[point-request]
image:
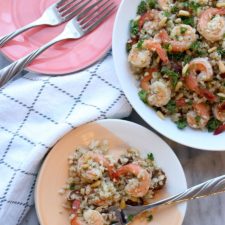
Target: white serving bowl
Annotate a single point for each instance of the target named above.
(189, 137)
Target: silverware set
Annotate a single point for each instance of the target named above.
(83, 16)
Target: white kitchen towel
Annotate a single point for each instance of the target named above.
(37, 110)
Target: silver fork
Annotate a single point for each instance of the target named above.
(54, 15)
(208, 188)
(85, 22)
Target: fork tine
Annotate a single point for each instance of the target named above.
(90, 17)
(58, 4)
(74, 13)
(63, 7)
(87, 10)
(92, 25)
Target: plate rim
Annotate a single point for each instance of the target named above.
(102, 122)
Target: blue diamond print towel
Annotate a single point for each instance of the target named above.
(35, 111)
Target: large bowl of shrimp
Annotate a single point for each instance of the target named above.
(170, 61)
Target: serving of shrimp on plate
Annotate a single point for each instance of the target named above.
(176, 50)
(97, 181)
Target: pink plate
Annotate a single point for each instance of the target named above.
(62, 58)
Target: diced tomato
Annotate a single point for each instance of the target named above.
(180, 102)
(207, 94)
(145, 80)
(75, 206)
(222, 106)
(220, 129)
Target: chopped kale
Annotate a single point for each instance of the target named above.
(181, 123)
(150, 218)
(188, 20)
(183, 30)
(151, 3)
(221, 51)
(134, 28)
(72, 187)
(140, 43)
(128, 46)
(171, 106)
(142, 8)
(174, 9)
(150, 156)
(213, 124)
(166, 14)
(143, 95)
(172, 74)
(196, 49)
(130, 218)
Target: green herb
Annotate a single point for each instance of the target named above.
(221, 51)
(197, 119)
(172, 74)
(171, 106)
(72, 187)
(134, 28)
(194, 6)
(167, 46)
(140, 43)
(151, 3)
(143, 95)
(150, 156)
(128, 46)
(196, 48)
(181, 123)
(183, 30)
(150, 218)
(187, 59)
(174, 9)
(142, 8)
(166, 14)
(213, 124)
(188, 20)
(130, 218)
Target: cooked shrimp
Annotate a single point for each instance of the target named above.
(165, 4)
(200, 70)
(88, 170)
(139, 57)
(159, 95)
(90, 217)
(219, 111)
(211, 24)
(199, 116)
(136, 187)
(153, 45)
(78, 221)
(150, 21)
(93, 217)
(182, 37)
(203, 66)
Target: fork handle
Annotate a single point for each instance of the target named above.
(8, 37)
(16, 67)
(210, 187)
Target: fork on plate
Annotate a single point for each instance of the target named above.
(205, 189)
(54, 15)
(86, 20)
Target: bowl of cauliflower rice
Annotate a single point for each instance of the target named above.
(170, 60)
